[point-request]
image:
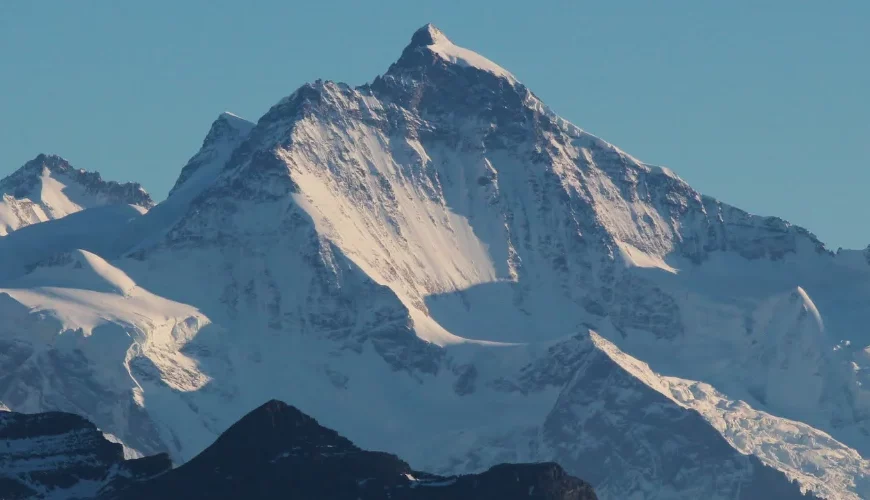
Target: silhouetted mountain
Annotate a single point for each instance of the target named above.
(276, 451)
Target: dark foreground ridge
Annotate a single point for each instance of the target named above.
(62, 455)
(276, 451)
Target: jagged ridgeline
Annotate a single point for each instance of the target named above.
(48, 187)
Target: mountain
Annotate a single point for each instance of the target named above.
(277, 450)
(437, 265)
(48, 187)
(61, 455)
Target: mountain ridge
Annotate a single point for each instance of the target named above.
(48, 187)
(276, 448)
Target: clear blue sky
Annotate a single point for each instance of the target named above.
(765, 107)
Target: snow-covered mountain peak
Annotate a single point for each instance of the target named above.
(231, 117)
(35, 167)
(428, 35)
(429, 45)
(440, 178)
(48, 187)
(225, 134)
(23, 181)
(226, 127)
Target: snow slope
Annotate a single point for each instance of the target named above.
(96, 230)
(418, 263)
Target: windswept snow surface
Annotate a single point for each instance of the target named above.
(437, 265)
(96, 230)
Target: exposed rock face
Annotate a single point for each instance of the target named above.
(276, 451)
(62, 455)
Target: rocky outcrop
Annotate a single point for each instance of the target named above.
(62, 455)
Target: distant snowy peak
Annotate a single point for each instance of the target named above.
(225, 136)
(22, 182)
(234, 121)
(431, 40)
(48, 187)
(433, 71)
(226, 133)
